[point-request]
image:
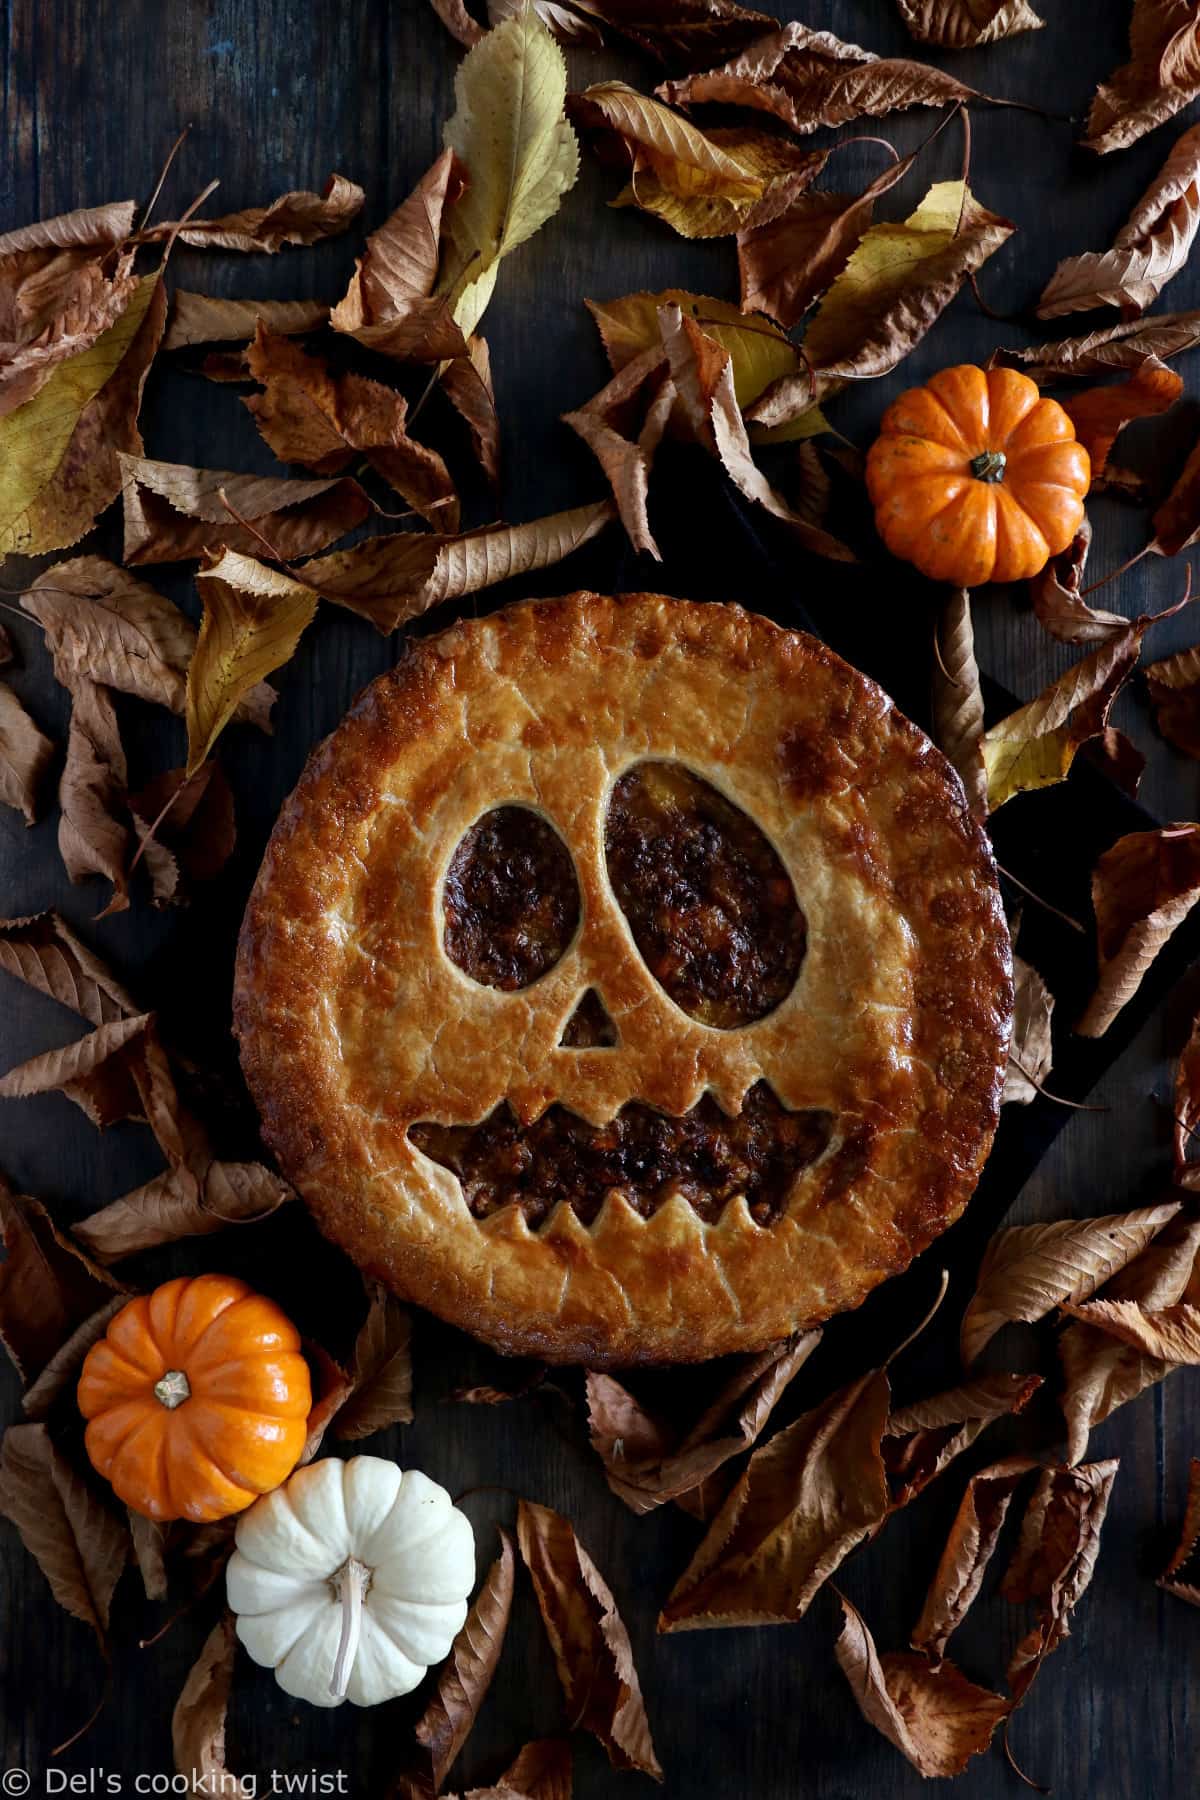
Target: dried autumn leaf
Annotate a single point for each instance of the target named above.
(1177, 521)
(1161, 77)
(646, 1471)
(803, 1502)
(1100, 1372)
(198, 1721)
(381, 1373)
(1099, 414)
(25, 757)
(588, 1637)
(61, 1373)
(173, 512)
(1187, 1109)
(149, 1539)
(48, 1285)
(44, 953)
(958, 698)
(244, 636)
(966, 24)
(542, 1770)
(897, 283)
(1028, 1270)
(811, 78)
(1174, 1576)
(1122, 346)
(520, 153)
(54, 304)
(209, 319)
(467, 384)
(1031, 1052)
(964, 1561)
(1173, 686)
(458, 21)
(300, 217)
(1059, 605)
(93, 838)
(1055, 1558)
(87, 228)
(196, 829)
(931, 1713)
(1171, 1335)
(390, 306)
(1035, 746)
(324, 421)
(561, 20)
(627, 461)
(79, 1546)
(180, 1203)
(921, 1441)
(1143, 888)
(445, 1725)
(93, 1071)
(58, 452)
(692, 34)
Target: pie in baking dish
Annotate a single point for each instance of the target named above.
(626, 980)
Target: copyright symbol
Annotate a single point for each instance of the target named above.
(15, 1781)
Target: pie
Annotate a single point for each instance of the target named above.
(627, 981)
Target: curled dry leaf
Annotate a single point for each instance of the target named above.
(208, 319)
(198, 1721)
(969, 1547)
(1161, 77)
(1173, 686)
(79, 1546)
(627, 460)
(931, 1713)
(804, 1501)
(244, 636)
(25, 757)
(331, 1390)
(1176, 1578)
(149, 1539)
(381, 1373)
(196, 829)
(1059, 605)
(561, 20)
(173, 512)
(588, 1637)
(1031, 1052)
(1028, 1270)
(921, 1441)
(1123, 346)
(62, 1371)
(58, 452)
(1177, 521)
(811, 78)
(48, 1285)
(182, 1203)
(542, 1770)
(1143, 888)
(691, 34)
(1187, 1111)
(1151, 247)
(446, 1723)
(646, 1467)
(54, 304)
(300, 217)
(44, 953)
(467, 384)
(520, 153)
(93, 838)
(958, 698)
(94, 1071)
(87, 228)
(390, 305)
(458, 21)
(1055, 1559)
(1171, 1335)
(1099, 414)
(966, 24)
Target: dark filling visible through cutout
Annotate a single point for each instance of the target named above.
(647, 1155)
(511, 900)
(711, 907)
(589, 1026)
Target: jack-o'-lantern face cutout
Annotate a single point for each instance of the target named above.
(627, 980)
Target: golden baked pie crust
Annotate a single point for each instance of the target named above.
(354, 1024)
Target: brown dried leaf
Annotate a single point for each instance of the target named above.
(932, 1714)
(645, 1468)
(173, 512)
(1031, 1053)
(48, 1284)
(458, 21)
(1055, 1558)
(1161, 77)
(62, 1371)
(54, 304)
(446, 1723)
(300, 217)
(1103, 352)
(1177, 1568)
(87, 228)
(1171, 1335)
(921, 1441)
(691, 34)
(542, 1770)
(811, 78)
(627, 461)
(198, 1721)
(467, 384)
(1142, 890)
(196, 833)
(788, 260)
(1099, 414)
(76, 1542)
(803, 1502)
(1059, 605)
(590, 1643)
(965, 24)
(93, 1071)
(1151, 247)
(1173, 686)
(1177, 521)
(244, 636)
(381, 1373)
(44, 953)
(207, 319)
(561, 21)
(331, 1390)
(958, 698)
(182, 1203)
(969, 1547)
(1028, 1270)
(25, 757)
(149, 1546)
(1187, 1110)
(390, 306)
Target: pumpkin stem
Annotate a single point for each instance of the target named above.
(351, 1583)
(989, 465)
(173, 1389)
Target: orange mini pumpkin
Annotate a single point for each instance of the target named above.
(197, 1399)
(975, 477)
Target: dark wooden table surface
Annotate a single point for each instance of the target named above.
(278, 94)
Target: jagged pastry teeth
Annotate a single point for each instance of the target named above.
(626, 980)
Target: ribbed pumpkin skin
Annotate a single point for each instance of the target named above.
(934, 512)
(241, 1431)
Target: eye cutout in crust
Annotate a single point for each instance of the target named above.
(510, 899)
(710, 905)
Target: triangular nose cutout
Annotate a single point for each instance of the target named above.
(589, 1026)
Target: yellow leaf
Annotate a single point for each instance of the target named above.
(253, 619)
(58, 452)
(520, 152)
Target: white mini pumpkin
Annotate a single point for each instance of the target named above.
(351, 1579)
